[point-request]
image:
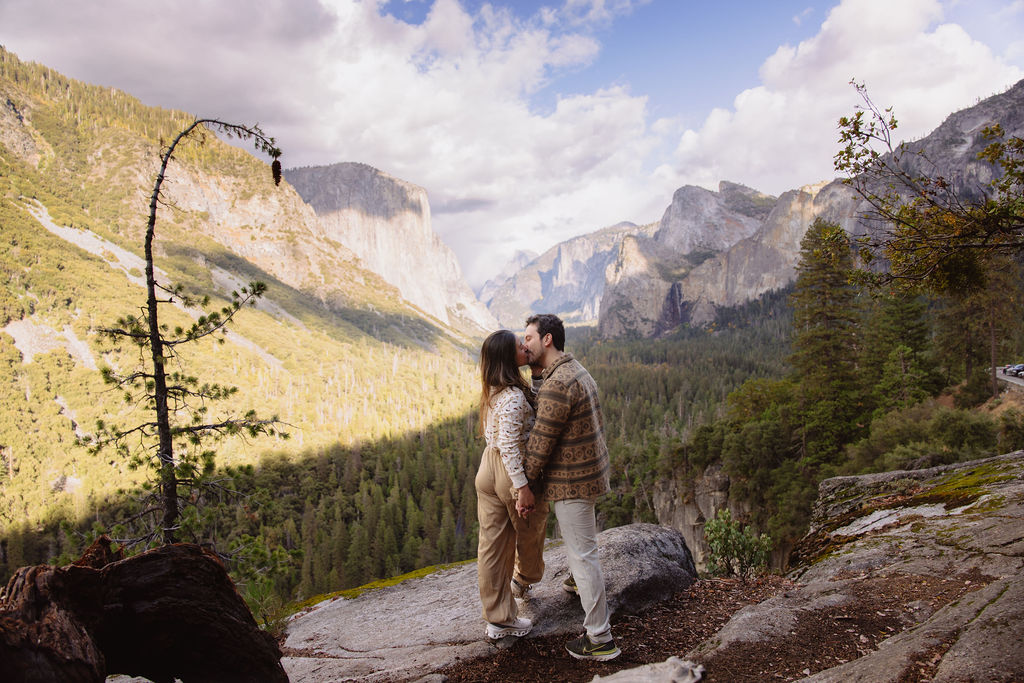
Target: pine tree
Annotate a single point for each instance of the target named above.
(356, 564)
(825, 341)
(177, 401)
(903, 382)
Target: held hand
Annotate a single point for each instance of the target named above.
(524, 501)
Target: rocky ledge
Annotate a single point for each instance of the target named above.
(421, 625)
(903, 576)
(928, 561)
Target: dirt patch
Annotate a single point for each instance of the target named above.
(881, 607)
(670, 628)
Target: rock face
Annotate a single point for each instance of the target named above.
(172, 612)
(686, 503)
(642, 295)
(698, 219)
(386, 223)
(517, 263)
(933, 556)
(368, 637)
(568, 279)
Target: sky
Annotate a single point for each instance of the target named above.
(529, 122)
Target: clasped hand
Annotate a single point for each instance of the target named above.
(524, 501)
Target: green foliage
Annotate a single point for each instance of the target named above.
(1011, 432)
(923, 435)
(932, 232)
(735, 551)
(903, 382)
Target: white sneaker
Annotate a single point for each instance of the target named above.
(520, 590)
(520, 628)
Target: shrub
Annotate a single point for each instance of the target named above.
(735, 552)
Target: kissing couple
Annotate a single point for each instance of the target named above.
(545, 447)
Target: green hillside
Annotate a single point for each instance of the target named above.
(341, 363)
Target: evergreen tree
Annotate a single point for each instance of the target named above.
(976, 328)
(894, 318)
(903, 382)
(339, 546)
(169, 395)
(825, 342)
(446, 540)
(357, 562)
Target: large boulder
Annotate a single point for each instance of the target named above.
(168, 613)
(422, 625)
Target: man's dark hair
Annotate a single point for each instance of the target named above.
(549, 323)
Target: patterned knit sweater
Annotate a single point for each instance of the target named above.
(566, 453)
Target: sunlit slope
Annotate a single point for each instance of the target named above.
(333, 350)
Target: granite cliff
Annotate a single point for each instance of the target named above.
(642, 294)
(386, 223)
(567, 279)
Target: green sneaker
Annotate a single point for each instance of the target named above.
(569, 585)
(584, 648)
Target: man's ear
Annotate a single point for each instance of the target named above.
(546, 340)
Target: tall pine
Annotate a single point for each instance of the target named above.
(825, 344)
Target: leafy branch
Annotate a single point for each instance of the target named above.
(934, 230)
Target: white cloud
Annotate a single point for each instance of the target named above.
(449, 109)
(798, 19)
(598, 12)
(782, 134)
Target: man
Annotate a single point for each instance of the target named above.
(567, 463)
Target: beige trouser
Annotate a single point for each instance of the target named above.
(508, 545)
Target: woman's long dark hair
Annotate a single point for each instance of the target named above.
(498, 370)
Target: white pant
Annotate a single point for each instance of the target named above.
(578, 526)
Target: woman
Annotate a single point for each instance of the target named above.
(506, 417)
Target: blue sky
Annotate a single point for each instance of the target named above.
(687, 56)
(530, 122)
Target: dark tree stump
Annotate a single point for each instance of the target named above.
(172, 612)
(40, 640)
